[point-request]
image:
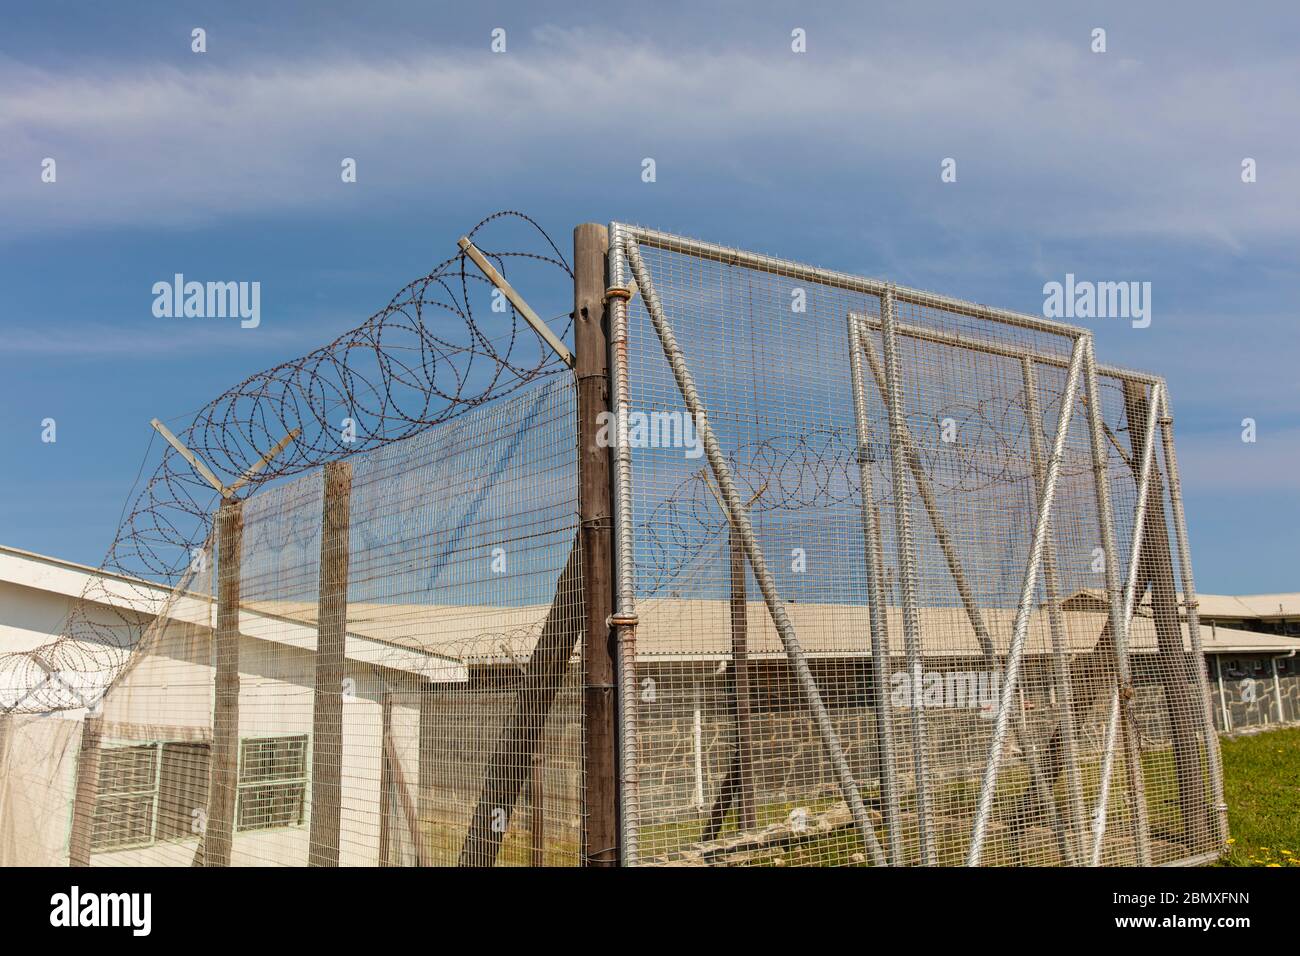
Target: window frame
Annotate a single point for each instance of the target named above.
(154, 793)
(302, 781)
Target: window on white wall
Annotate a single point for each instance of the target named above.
(149, 792)
(272, 782)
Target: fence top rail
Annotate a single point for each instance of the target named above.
(957, 340)
(840, 280)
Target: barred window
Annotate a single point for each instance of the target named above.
(182, 789)
(148, 792)
(272, 782)
(127, 798)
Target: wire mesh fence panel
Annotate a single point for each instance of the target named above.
(866, 536)
(899, 580)
(378, 664)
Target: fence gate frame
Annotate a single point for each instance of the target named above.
(1079, 838)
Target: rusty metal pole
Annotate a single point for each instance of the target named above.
(600, 846)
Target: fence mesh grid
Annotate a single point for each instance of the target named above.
(456, 557)
(729, 777)
(379, 662)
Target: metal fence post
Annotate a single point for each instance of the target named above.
(898, 454)
(1213, 759)
(625, 619)
(873, 549)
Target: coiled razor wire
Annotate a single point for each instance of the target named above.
(421, 360)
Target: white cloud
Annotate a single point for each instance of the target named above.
(54, 339)
(1041, 129)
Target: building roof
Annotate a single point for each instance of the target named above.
(153, 601)
(1256, 607)
(439, 640)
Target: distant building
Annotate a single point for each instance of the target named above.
(1257, 681)
(1250, 645)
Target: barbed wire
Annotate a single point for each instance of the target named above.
(420, 361)
(423, 359)
(818, 469)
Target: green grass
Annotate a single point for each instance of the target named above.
(1261, 784)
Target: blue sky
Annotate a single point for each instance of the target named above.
(1115, 166)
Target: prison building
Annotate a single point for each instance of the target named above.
(146, 802)
(430, 688)
(1255, 680)
(1251, 643)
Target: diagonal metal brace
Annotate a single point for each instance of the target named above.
(522, 307)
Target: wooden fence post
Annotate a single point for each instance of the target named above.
(331, 639)
(595, 511)
(83, 807)
(224, 772)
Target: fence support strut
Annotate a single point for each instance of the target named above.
(1122, 718)
(739, 518)
(1028, 589)
(873, 553)
(1052, 588)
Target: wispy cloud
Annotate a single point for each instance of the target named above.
(77, 340)
(141, 144)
